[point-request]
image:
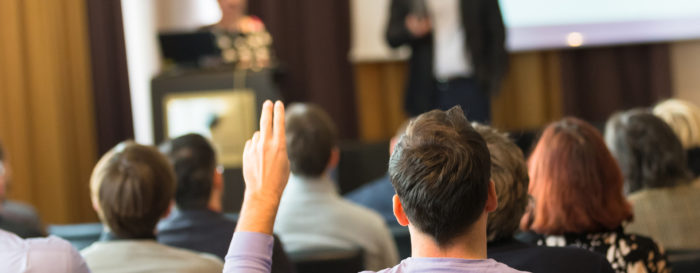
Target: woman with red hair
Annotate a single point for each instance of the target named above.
(576, 185)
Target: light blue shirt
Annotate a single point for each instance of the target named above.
(50, 254)
(313, 215)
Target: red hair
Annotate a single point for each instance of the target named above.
(575, 182)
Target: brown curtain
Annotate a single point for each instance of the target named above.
(312, 40)
(110, 78)
(597, 82)
(531, 93)
(46, 106)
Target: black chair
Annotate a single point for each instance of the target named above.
(79, 235)
(684, 261)
(361, 162)
(402, 238)
(328, 260)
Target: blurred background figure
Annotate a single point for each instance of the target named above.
(458, 53)
(242, 39)
(197, 223)
(16, 217)
(312, 214)
(132, 188)
(684, 118)
(657, 180)
(578, 201)
(509, 174)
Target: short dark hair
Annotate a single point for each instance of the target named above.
(194, 161)
(311, 136)
(133, 185)
(441, 170)
(648, 151)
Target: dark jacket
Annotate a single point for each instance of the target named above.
(485, 32)
(210, 232)
(538, 259)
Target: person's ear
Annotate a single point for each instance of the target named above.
(95, 205)
(399, 213)
(167, 211)
(334, 159)
(492, 201)
(218, 183)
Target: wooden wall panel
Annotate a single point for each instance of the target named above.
(531, 95)
(47, 122)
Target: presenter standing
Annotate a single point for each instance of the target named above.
(458, 53)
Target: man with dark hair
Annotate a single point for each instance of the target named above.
(15, 217)
(509, 174)
(440, 169)
(197, 223)
(132, 187)
(312, 214)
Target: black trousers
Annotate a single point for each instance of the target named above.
(465, 92)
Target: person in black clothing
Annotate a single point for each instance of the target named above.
(197, 223)
(458, 53)
(509, 173)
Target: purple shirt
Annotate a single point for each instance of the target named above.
(50, 254)
(251, 252)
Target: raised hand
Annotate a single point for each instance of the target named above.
(265, 171)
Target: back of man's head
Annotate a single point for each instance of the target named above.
(441, 170)
(509, 174)
(311, 138)
(132, 187)
(194, 160)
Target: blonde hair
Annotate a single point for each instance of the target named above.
(684, 118)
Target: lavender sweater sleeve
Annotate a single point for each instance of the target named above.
(250, 252)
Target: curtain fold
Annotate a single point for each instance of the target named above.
(46, 108)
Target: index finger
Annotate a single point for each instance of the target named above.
(266, 119)
(278, 127)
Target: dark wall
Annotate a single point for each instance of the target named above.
(110, 78)
(312, 40)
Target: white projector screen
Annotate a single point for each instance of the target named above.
(548, 24)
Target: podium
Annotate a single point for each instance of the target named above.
(222, 104)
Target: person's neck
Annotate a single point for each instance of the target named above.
(229, 22)
(470, 245)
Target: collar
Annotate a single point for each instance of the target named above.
(108, 236)
(319, 185)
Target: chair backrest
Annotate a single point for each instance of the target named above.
(403, 240)
(79, 235)
(684, 261)
(361, 162)
(325, 260)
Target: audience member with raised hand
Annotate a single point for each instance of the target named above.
(684, 119)
(197, 222)
(509, 174)
(441, 170)
(658, 183)
(312, 215)
(132, 187)
(265, 171)
(577, 188)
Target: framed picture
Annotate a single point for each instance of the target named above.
(226, 117)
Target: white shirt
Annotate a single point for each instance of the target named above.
(312, 215)
(50, 254)
(450, 56)
(124, 256)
